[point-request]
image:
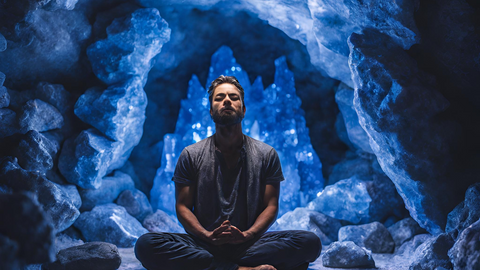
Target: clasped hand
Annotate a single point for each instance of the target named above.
(228, 234)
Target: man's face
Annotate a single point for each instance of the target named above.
(227, 106)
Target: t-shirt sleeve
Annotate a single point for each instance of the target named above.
(274, 172)
(184, 170)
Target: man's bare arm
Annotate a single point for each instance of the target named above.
(184, 195)
(265, 219)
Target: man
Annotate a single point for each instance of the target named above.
(227, 188)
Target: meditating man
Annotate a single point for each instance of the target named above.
(227, 188)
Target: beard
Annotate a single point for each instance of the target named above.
(227, 119)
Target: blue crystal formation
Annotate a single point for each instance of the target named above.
(122, 61)
(325, 227)
(347, 199)
(108, 192)
(131, 44)
(373, 236)
(55, 202)
(347, 255)
(397, 105)
(110, 223)
(281, 126)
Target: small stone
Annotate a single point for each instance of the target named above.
(110, 223)
(161, 222)
(91, 256)
(111, 187)
(466, 213)
(136, 203)
(465, 253)
(347, 255)
(3, 46)
(2, 78)
(405, 230)
(73, 194)
(433, 253)
(54, 94)
(325, 227)
(35, 152)
(4, 96)
(40, 116)
(373, 236)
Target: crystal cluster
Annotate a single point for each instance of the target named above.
(273, 116)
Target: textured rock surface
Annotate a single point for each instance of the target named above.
(108, 192)
(466, 213)
(404, 230)
(110, 223)
(63, 241)
(465, 253)
(131, 44)
(55, 202)
(161, 222)
(35, 152)
(136, 203)
(9, 122)
(31, 238)
(397, 104)
(347, 255)
(93, 256)
(373, 236)
(40, 116)
(4, 96)
(433, 253)
(325, 227)
(347, 200)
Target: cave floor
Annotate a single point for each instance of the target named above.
(382, 261)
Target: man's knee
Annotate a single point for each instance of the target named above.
(143, 246)
(311, 243)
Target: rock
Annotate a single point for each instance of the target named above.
(63, 241)
(118, 112)
(108, 192)
(86, 159)
(40, 116)
(355, 132)
(352, 166)
(433, 253)
(4, 96)
(136, 203)
(8, 253)
(32, 234)
(110, 223)
(373, 236)
(405, 230)
(131, 44)
(347, 255)
(161, 222)
(9, 124)
(396, 104)
(92, 256)
(55, 202)
(54, 94)
(466, 213)
(465, 253)
(45, 46)
(35, 152)
(347, 200)
(72, 193)
(325, 227)
(3, 47)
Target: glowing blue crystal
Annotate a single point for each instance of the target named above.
(274, 116)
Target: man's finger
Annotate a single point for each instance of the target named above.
(220, 229)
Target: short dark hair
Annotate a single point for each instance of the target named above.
(225, 79)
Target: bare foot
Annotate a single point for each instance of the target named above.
(260, 267)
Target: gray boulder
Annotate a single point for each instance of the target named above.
(405, 230)
(110, 223)
(347, 255)
(161, 222)
(466, 213)
(40, 116)
(433, 253)
(465, 253)
(91, 256)
(136, 203)
(373, 236)
(35, 152)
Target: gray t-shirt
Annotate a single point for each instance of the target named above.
(235, 194)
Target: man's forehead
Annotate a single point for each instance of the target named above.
(226, 88)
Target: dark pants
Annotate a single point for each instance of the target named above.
(285, 250)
